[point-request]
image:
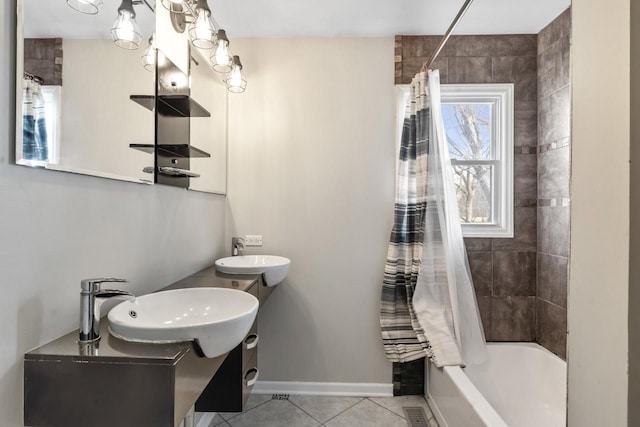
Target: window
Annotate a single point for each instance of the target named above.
(478, 120)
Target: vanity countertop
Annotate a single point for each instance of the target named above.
(118, 350)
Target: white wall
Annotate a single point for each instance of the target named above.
(598, 289)
(99, 121)
(311, 168)
(209, 134)
(57, 228)
(634, 253)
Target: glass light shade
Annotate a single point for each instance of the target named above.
(222, 59)
(236, 81)
(125, 32)
(202, 33)
(175, 6)
(90, 7)
(149, 57)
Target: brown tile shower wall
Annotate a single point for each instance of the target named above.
(554, 162)
(43, 58)
(504, 270)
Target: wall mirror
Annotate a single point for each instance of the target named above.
(73, 95)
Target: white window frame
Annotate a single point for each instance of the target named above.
(500, 96)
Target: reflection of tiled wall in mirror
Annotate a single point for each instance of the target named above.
(43, 58)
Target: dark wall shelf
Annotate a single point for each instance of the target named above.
(172, 108)
(172, 150)
(147, 101)
(172, 105)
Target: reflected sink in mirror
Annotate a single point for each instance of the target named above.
(273, 268)
(218, 319)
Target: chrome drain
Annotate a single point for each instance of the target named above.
(415, 416)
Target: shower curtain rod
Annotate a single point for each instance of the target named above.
(446, 36)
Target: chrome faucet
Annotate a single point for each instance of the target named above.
(237, 243)
(91, 299)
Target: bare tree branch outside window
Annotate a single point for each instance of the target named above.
(468, 128)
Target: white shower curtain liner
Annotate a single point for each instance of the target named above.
(444, 299)
(428, 304)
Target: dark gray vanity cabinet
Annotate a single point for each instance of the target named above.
(112, 382)
(126, 384)
(229, 389)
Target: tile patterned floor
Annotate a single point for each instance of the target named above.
(323, 411)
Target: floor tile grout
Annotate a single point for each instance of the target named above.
(384, 407)
(312, 417)
(345, 410)
(308, 414)
(244, 412)
(293, 406)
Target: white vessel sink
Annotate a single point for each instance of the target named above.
(217, 318)
(274, 268)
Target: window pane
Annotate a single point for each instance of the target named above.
(474, 191)
(468, 128)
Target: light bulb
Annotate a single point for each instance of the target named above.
(90, 7)
(202, 33)
(125, 32)
(221, 58)
(236, 82)
(149, 57)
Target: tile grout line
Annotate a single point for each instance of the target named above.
(343, 411)
(387, 409)
(244, 412)
(308, 414)
(551, 303)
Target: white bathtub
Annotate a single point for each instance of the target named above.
(521, 385)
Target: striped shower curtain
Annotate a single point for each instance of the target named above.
(428, 305)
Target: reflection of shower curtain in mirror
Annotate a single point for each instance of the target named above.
(34, 136)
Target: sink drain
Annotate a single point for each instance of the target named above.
(133, 314)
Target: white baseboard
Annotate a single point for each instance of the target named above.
(324, 389)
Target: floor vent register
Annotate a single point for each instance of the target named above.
(415, 416)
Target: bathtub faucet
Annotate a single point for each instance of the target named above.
(91, 299)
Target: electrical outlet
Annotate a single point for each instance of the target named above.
(253, 240)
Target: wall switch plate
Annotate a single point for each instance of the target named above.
(253, 240)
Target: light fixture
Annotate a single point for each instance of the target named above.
(221, 59)
(149, 57)
(202, 32)
(90, 7)
(175, 6)
(236, 82)
(125, 32)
